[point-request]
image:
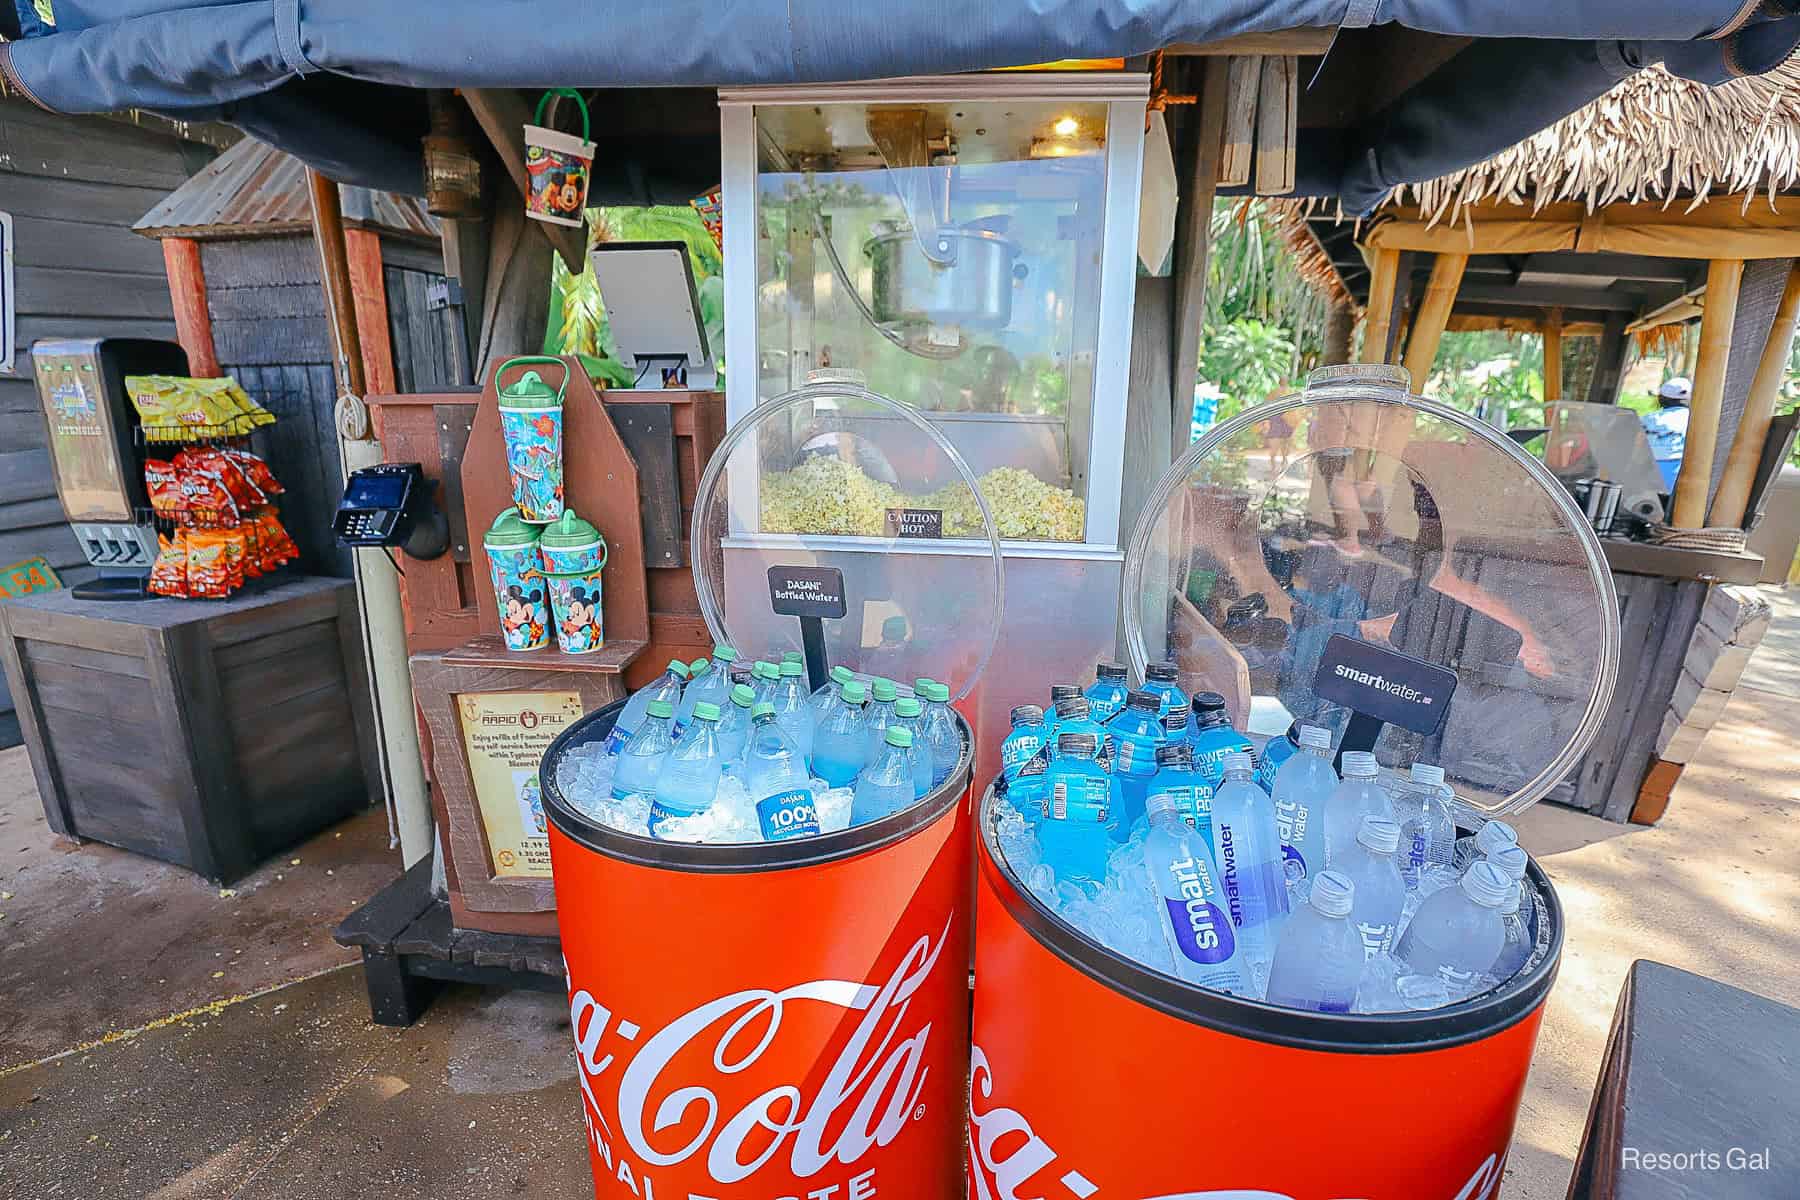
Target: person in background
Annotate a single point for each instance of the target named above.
(1667, 428)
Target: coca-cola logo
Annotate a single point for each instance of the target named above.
(666, 1093)
(1012, 1162)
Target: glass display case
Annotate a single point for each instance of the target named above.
(965, 247)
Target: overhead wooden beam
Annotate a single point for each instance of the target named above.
(503, 116)
(187, 293)
(1277, 131)
(1553, 347)
(1733, 498)
(1527, 295)
(1433, 312)
(1467, 322)
(1384, 272)
(1242, 86)
(1281, 41)
(1193, 239)
(1723, 277)
(1621, 229)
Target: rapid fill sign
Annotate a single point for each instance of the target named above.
(1384, 684)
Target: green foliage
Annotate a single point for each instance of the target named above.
(1498, 376)
(1248, 358)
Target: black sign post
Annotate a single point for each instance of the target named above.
(811, 594)
(1381, 687)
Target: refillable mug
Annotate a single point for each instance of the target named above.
(531, 421)
(520, 588)
(574, 553)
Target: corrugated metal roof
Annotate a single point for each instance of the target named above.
(256, 188)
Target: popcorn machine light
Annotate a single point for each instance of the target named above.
(967, 247)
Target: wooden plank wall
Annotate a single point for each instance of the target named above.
(74, 186)
(423, 358)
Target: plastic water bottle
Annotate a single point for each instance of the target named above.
(1023, 743)
(1380, 892)
(885, 786)
(1191, 906)
(1427, 832)
(821, 699)
(879, 714)
(1160, 678)
(1302, 792)
(1489, 840)
(734, 725)
(1181, 786)
(1136, 732)
(689, 779)
(909, 714)
(1513, 862)
(635, 772)
(777, 780)
(940, 733)
(1517, 948)
(1073, 835)
(1213, 737)
(1319, 960)
(792, 709)
(703, 684)
(1248, 851)
(1457, 933)
(666, 686)
(764, 676)
(1106, 695)
(1359, 795)
(1275, 753)
(839, 749)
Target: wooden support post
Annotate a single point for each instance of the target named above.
(1765, 392)
(1243, 82)
(334, 277)
(503, 117)
(1340, 323)
(1553, 375)
(1277, 106)
(1433, 314)
(187, 292)
(1384, 272)
(1193, 243)
(1609, 362)
(368, 295)
(1723, 275)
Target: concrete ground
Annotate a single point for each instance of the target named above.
(160, 1039)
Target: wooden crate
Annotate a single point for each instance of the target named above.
(206, 733)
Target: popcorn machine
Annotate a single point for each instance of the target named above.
(967, 247)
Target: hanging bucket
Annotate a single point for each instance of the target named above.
(531, 424)
(519, 587)
(772, 1018)
(557, 164)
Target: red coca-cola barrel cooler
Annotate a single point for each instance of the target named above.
(1350, 512)
(783, 1019)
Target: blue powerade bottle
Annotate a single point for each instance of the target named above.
(1214, 738)
(1137, 731)
(1106, 695)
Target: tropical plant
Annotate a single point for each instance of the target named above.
(1251, 274)
(1247, 358)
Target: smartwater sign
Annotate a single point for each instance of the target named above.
(1384, 684)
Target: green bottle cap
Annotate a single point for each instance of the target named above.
(741, 695)
(765, 709)
(920, 684)
(937, 693)
(841, 675)
(792, 656)
(510, 529)
(677, 667)
(884, 690)
(698, 667)
(660, 708)
(529, 391)
(791, 670)
(766, 670)
(706, 710)
(569, 531)
(908, 706)
(898, 735)
(854, 692)
(725, 653)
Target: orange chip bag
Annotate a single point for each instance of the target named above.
(221, 466)
(258, 471)
(168, 576)
(209, 563)
(278, 547)
(163, 481)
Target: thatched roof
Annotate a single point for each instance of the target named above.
(1653, 137)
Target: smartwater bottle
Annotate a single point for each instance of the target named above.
(1380, 892)
(1457, 933)
(1248, 853)
(1319, 960)
(1303, 788)
(1427, 832)
(1358, 795)
(1184, 885)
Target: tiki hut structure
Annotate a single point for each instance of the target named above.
(1661, 203)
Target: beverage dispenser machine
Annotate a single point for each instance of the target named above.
(97, 455)
(966, 247)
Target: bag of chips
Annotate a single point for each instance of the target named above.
(221, 466)
(209, 563)
(168, 575)
(163, 481)
(272, 538)
(258, 471)
(175, 408)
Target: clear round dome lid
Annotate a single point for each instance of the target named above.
(1352, 550)
(835, 502)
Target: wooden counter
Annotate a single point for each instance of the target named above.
(207, 733)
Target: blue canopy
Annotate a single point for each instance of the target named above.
(303, 76)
